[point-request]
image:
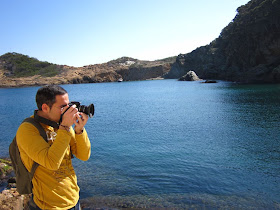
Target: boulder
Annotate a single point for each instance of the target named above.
(190, 76)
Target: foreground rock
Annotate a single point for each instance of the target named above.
(9, 197)
(11, 200)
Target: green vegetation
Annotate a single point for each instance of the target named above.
(5, 168)
(19, 65)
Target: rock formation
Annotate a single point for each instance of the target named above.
(190, 76)
(247, 50)
(20, 70)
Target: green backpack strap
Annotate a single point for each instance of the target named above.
(42, 133)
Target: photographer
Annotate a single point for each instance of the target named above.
(54, 182)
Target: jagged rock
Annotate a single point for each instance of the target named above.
(143, 72)
(190, 76)
(11, 200)
(247, 50)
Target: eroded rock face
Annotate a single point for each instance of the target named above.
(143, 72)
(247, 50)
(125, 69)
(190, 76)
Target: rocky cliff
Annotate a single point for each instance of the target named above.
(247, 50)
(20, 70)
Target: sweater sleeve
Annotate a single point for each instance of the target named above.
(80, 146)
(35, 147)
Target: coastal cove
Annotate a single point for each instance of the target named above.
(171, 144)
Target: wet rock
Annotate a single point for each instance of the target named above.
(12, 180)
(210, 81)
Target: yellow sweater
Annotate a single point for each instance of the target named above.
(54, 182)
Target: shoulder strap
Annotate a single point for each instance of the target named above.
(38, 126)
(42, 133)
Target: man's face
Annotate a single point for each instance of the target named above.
(61, 103)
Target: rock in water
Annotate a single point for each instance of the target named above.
(190, 76)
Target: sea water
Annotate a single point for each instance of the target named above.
(171, 144)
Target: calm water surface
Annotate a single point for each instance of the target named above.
(172, 144)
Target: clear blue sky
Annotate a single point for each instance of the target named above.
(84, 32)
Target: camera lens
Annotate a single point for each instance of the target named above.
(89, 110)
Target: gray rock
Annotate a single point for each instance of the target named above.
(190, 76)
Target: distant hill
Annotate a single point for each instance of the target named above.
(18, 65)
(21, 70)
(247, 50)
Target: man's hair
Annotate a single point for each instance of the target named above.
(47, 95)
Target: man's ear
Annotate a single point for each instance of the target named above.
(45, 108)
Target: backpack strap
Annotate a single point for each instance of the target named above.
(42, 133)
(38, 126)
(35, 121)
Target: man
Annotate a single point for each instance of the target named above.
(54, 182)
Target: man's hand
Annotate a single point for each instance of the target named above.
(69, 116)
(80, 121)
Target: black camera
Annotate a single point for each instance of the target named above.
(89, 110)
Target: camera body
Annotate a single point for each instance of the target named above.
(89, 110)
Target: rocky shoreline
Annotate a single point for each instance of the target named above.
(9, 198)
(122, 69)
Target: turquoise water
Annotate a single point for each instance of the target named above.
(172, 144)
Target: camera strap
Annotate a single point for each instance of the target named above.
(45, 121)
(60, 120)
